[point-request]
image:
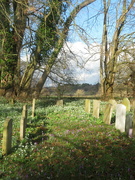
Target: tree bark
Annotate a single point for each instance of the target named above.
(26, 79)
(11, 41)
(104, 49)
(58, 46)
(113, 52)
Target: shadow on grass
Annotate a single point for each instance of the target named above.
(78, 159)
(38, 135)
(93, 159)
(35, 133)
(8, 111)
(45, 102)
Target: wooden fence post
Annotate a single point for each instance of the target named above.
(7, 137)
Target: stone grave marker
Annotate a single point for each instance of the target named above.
(33, 107)
(133, 133)
(132, 103)
(23, 122)
(126, 102)
(129, 124)
(59, 102)
(87, 105)
(22, 128)
(24, 113)
(108, 113)
(114, 104)
(120, 117)
(130, 133)
(96, 106)
(7, 137)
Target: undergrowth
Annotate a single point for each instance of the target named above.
(66, 143)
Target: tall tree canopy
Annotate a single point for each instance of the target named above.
(113, 44)
(41, 27)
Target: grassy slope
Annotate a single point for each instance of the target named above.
(66, 143)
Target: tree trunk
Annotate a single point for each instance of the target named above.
(112, 54)
(25, 83)
(104, 49)
(58, 46)
(132, 79)
(11, 41)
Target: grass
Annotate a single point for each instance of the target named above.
(66, 143)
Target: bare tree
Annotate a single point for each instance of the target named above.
(112, 49)
(39, 26)
(13, 18)
(59, 45)
(127, 68)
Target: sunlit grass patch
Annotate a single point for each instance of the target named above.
(67, 143)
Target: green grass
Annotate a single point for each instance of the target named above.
(66, 143)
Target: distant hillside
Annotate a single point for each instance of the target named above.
(71, 90)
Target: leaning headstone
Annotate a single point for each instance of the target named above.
(129, 124)
(59, 102)
(87, 105)
(96, 106)
(120, 117)
(114, 104)
(108, 113)
(126, 102)
(7, 137)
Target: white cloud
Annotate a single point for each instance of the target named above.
(87, 57)
(87, 77)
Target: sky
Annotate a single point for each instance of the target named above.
(86, 68)
(84, 48)
(85, 37)
(88, 45)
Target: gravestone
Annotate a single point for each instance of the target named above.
(120, 117)
(96, 106)
(22, 128)
(130, 133)
(59, 102)
(23, 122)
(108, 113)
(114, 104)
(129, 124)
(126, 102)
(12, 101)
(87, 105)
(24, 113)
(33, 107)
(133, 133)
(7, 137)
